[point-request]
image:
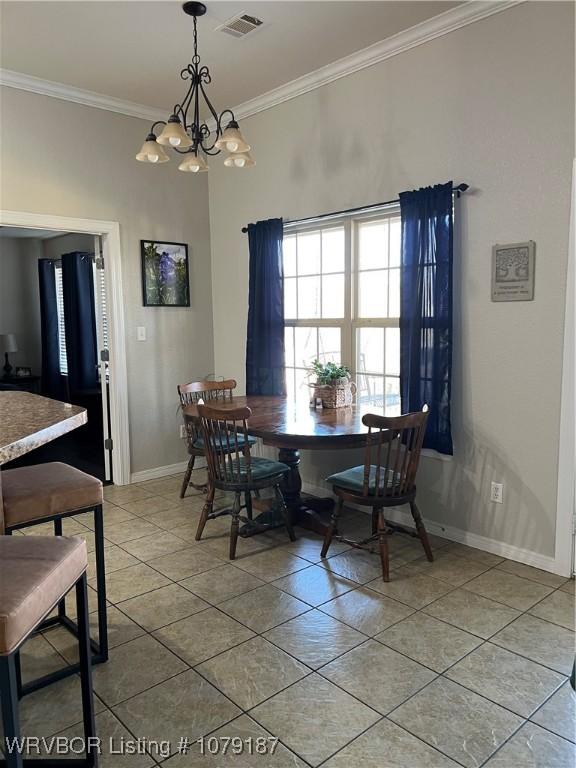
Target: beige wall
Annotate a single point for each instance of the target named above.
(69, 160)
(491, 104)
(20, 299)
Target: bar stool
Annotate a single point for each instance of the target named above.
(36, 572)
(50, 492)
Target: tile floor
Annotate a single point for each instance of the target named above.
(460, 662)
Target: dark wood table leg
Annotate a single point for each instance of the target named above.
(308, 512)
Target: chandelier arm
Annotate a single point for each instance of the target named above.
(221, 117)
(185, 104)
(212, 110)
(158, 122)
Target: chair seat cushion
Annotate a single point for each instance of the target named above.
(353, 479)
(263, 468)
(199, 443)
(35, 573)
(43, 490)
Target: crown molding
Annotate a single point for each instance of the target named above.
(79, 96)
(437, 26)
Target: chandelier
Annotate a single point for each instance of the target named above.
(186, 132)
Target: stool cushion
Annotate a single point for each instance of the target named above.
(43, 490)
(35, 573)
(353, 479)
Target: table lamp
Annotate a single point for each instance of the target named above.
(8, 344)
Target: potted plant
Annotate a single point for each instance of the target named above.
(333, 385)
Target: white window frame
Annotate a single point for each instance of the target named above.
(350, 323)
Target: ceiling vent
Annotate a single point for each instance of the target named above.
(240, 25)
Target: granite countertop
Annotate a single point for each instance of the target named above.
(28, 421)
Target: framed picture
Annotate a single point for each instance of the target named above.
(513, 271)
(165, 277)
(23, 371)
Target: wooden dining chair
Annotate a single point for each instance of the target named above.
(386, 479)
(231, 468)
(191, 394)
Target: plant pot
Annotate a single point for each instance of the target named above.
(337, 395)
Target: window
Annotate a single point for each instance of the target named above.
(342, 303)
(62, 358)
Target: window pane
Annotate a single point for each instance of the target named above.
(289, 346)
(329, 345)
(306, 346)
(392, 396)
(289, 255)
(308, 297)
(370, 345)
(373, 294)
(394, 293)
(290, 387)
(373, 245)
(309, 253)
(395, 239)
(333, 250)
(393, 351)
(332, 296)
(370, 390)
(290, 309)
(302, 390)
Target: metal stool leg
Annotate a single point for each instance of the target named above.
(102, 653)
(86, 670)
(10, 719)
(58, 532)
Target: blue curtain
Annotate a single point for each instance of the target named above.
(53, 384)
(426, 309)
(265, 338)
(80, 321)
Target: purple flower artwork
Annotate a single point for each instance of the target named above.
(165, 274)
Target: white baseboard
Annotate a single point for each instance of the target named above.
(474, 540)
(156, 472)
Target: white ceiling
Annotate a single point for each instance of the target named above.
(135, 50)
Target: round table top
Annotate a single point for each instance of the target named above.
(287, 423)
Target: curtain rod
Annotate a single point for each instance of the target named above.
(364, 208)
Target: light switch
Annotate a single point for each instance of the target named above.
(141, 333)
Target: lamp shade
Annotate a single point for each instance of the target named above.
(8, 342)
(174, 135)
(239, 160)
(193, 163)
(151, 151)
(232, 140)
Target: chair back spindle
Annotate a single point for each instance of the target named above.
(206, 391)
(226, 444)
(392, 453)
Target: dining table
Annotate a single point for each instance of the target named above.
(28, 421)
(292, 425)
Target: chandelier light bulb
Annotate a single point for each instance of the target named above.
(151, 151)
(232, 140)
(193, 163)
(239, 160)
(174, 135)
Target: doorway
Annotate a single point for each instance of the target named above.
(53, 315)
(108, 405)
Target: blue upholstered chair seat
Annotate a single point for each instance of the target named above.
(263, 468)
(353, 479)
(199, 443)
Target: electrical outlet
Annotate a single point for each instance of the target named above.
(497, 493)
(182, 432)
